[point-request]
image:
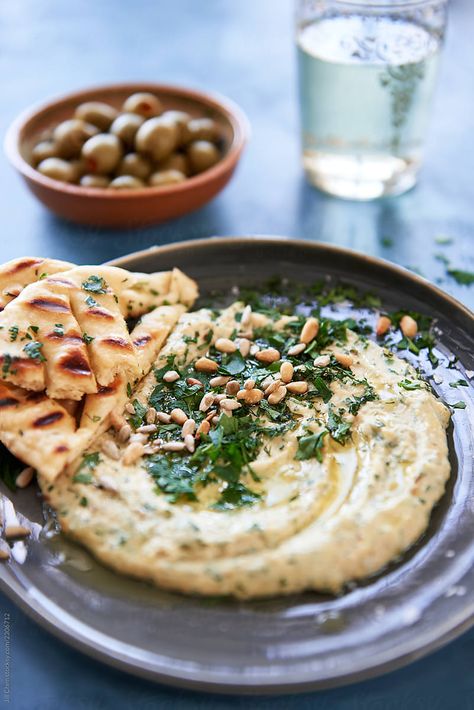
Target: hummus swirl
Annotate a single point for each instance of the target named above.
(343, 479)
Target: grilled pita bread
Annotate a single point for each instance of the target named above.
(18, 273)
(86, 303)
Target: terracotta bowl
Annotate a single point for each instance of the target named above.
(127, 208)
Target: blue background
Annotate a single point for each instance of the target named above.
(243, 49)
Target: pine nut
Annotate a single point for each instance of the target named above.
(178, 416)
(297, 387)
(297, 349)
(147, 429)
(163, 417)
(249, 384)
(253, 396)
(15, 532)
(278, 395)
(272, 387)
(189, 442)
(124, 433)
(343, 359)
(258, 320)
(219, 381)
(204, 364)
(203, 428)
(110, 449)
(140, 438)
(218, 398)
(149, 450)
(173, 446)
(268, 355)
(206, 402)
(150, 416)
(268, 380)
(225, 345)
(170, 376)
(4, 550)
(229, 405)
(246, 316)
(117, 420)
(408, 326)
(244, 346)
(193, 381)
(321, 361)
(215, 420)
(232, 387)
(211, 415)
(189, 427)
(286, 371)
(383, 325)
(309, 331)
(130, 408)
(25, 477)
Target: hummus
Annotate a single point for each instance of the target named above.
(325, 486)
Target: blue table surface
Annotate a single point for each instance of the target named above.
(244, 50)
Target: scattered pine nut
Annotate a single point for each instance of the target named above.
(244, 346)
(124, 433)
(173, 446)
(249, 384)
(189, 427)
(278, 395)
(25, 477)
(150, 416)
(268, 380)
(170, 376)
(309, 331)
(204, 364)
(147, 429)
(251, 396)
(228, 405)
(4, 551)
(189, 442)
(193, 381)
(219, 381)
(211, 415)
(206, 402)
(140, 438)
(408, 326)
(178, 416)
(343, 359)
(232, 387)
(286, 371)
(225, 345)
(268, 355)
(297, 387)
(274, 385)
(246, 316)
(130, 408)
(203, 428)
(321, 361)
(297, 349)
(110, 449)
(383, 325)
(258, 320)
(16, 531)
(218, 398)
(163, 417)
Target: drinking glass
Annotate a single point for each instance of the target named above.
(367, 72)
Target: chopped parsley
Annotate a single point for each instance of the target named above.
(459, 383)
(13, 331)
(95, 284)
(339, 428)
(91, 302)
(462, 277)
(459, 405)
(84, 472)
(33, 350)
(58, 330)
(310, 446)
(87, 338)
(410, 385)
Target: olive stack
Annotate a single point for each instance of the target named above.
(141, 145)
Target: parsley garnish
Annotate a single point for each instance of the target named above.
(310, 446)
(58, 329)
(95, 284)
(464, 278)
(338, 427)
(33, 350)
(458, 405)
(410, 385)
(13, 333)
(84, 472)
(91, 302)
(87, 338)
(459, 383)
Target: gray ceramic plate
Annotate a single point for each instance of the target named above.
(288, 644)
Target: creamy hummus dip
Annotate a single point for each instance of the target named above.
(268, 455)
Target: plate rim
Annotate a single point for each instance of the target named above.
(205, 680)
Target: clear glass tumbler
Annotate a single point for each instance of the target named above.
(367, 71)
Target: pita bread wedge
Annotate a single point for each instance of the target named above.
(18, 273)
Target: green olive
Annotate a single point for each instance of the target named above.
(181, 118)
(166, 177)
(143, 103)
(102, 153)
(126, 126)
(70, 136)
(43, 150)
(98, 113)
(57, 169)
(94, 181)
(136, 165)
(176, 161)
(202, 155)
(126, 182)
(201, 129)
(157, 138)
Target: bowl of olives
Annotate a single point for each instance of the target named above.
(128, 155)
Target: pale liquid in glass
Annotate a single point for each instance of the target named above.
(365, 91)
